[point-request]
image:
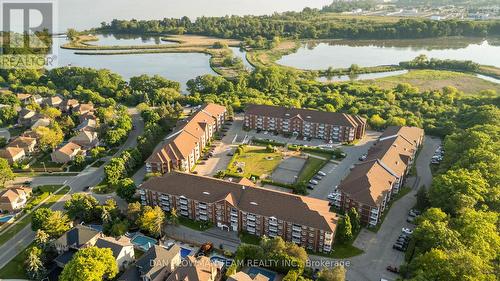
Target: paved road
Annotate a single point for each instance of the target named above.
(89, 177)
(378, 246)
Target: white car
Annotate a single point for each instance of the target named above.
(331, 196)
(322, 173)
(406, 230)
(313, 182)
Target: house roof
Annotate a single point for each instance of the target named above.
(12, 194)
(242, 276)
(314, 116)
(155, 259)
(22, 97)
(214, 109)
(300, 209)
(41, 122)
(86, 136)
(413, 134)
(26, 113)
(196, 269)
(116, 245)
(11, 152)
(84, 108)
(77, 236)
(368, 182)
(395, 152)
(69, 148)
(22, 142)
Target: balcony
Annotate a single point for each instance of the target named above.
(296, 228)
(184, 213)
(184, 208)
(202, 212)
(166, 208)
(142, 192)
(203, 218)
(183, 200)
(273, 223)
(296, 241)
(273, 229)
(251, 223)
(202, 206)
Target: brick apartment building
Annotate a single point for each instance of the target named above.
(238, 207)
(329, 126)
(183, 148)
(371, 184)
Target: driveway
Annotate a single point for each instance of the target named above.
(228, 239)
(371, 265)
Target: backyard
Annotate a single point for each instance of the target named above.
(255, 160)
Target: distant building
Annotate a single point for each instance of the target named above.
(78, 237)
(234, 207)
(184, 147)
(329, 126)
(200, 268)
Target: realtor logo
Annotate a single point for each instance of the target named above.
(27, 28)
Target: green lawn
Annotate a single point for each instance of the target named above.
(248, 238)
(196, 225)
(436, 80)
(5, 236)
(16, 269)
(47, 161)
(312, 166)
(104, 188)
(257, 161)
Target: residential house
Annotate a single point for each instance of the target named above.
(14, 199)
(122, 248)
(26, 143)
(68, 105)
(78, 237)
(37, 99)
(40, 122)
(242, 276)
(86, 139)
(200, 268)
(25, 117)
(87, 125)
(66, 153)
(329, 126)
(184, 147)
(24, 98)
(231, 206)
(12, 154)
(83, 108)
(55, 101)
(371, 184)
(155, 265)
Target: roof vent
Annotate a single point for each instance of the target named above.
(243, 187)
(206, 193)
(287, 114)
(308, 116)
(254, 203)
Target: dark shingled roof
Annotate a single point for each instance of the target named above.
(323, 117)
(161, 257)
(299, 209)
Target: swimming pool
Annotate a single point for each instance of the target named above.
(143, 242)
(221, 260)
(5, 219)
(253, 271)
(185, 252)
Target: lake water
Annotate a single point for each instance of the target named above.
(180, 67)
(86, 14)
(365, 76)
(342, 54)
(127, 40)
(239, 53)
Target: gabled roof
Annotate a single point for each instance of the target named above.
(10, 195)
(368, 182)
(394, 152)
(299, 209)
(214, 109)
(11, 152)
(69, 148)
(413, 134)
(155, 259)
(314, 116)
(196, 269)
(22, 142)
(116, 245)
(242, 276)
(77, 236)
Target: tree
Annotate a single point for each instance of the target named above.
(126, 189)
(90, 264)
(53, 223)
(50, 137)
(151, 220)
(376, 121)
(336, 273)
(344, 230)
(422, 199)
(174, 216)
(82, 206)
(458, 189)
(34, 264)
(79, 160)
(6, 173)
(51, 112)
(114, 170)
(355, 220)
(134, 211)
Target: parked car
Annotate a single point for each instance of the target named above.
(322, 173)
(410, 219)
(230, 154)
(407, 230)
(27, 182)
(392, 269)
(402, 240)
(363, 157)
(318, 177)
(398, 247)
(86, 188)
(414, 213)
(310, 186)
(315, 182)
(331, 196)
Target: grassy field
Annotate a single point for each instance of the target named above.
(5, 236)
(312, 166)
(256, 160)
(437, 79)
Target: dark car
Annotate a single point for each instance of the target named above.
(310, 186)
(402, 241)
(86, 188)
(318, 177)
(27, 182)
(399, 247)
(230, 154)
(392, 269)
